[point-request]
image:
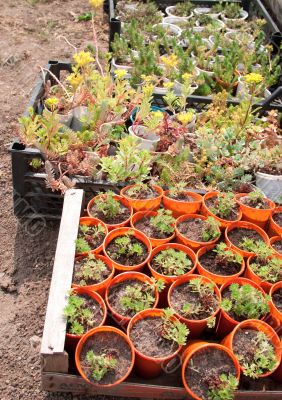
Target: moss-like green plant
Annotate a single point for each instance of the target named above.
(78, 315)
(92, 270)
(100, 365)
(173, 330)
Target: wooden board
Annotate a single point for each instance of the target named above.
(75, 384)
(53, 356)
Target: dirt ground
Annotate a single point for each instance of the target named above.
(29, 36)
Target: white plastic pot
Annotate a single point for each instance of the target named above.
(171, 10)
(178, 21)
(233, 36)
(271, 185)
(220, 26)
(173, 28)
(78, 113)
(242, 90)
(205, 11)
(65, 119)
(148, 140)
(120, 66)
(231, 22)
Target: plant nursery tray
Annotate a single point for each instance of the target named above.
(57, 368)
(32, 199)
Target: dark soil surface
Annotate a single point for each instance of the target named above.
(244, 346)
(119, 290)
(127, 259)
(192, 228)
(212, 204)
(217, 265)
(277, 246)
(77, 270)
(205, 368)
(150, 231)
(242, 188)
(143, 194)
(183, 294)
(278, 218)
(260, 204)
(93, 241)
(277, 299)
(118, 219)
(182, 196)
(146, 337)
(237, 235)
(97, 314)
(111, 345)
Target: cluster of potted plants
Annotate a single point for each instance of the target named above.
(217, 45)
(176, 266)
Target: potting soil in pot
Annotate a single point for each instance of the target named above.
(237, 235)
(146, 335)
(121, 217)
(277, 299)
(212, 204)
(111, 345)
(218, 265)
(204, 369)
(150, 231)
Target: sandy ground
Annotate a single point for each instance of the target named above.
(29, 35)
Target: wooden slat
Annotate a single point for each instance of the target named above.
(75, 384)
(52, 349)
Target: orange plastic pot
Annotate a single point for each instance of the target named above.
(101, 286)
(91, 334)
(90, 221)
(218, 279)
(145, 204)
(125, 276)
(273, 309)
(179, 207)
(206, 211)
(122, 200)
(274, 229)
(170, 279)
(245, 225)
(255, 215)
(145, 214)
(72, 340)
(273, 240)
(121, 232)
(277, 375)
(266, 286)
(185, 240)
(197, 346)
(258, 326)
(226, 323)
(196, 327)
(146, 366)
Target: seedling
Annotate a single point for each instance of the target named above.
(210, 229)
(108, 205)
(224, 205)
(36, 163)
(267, 267)
(88, 234)
(78, 315)
(125, 246)
(223, 387)
(245, 301)
(92, 270)
(256, 199)
(249, 244)
(140, 190)
(139, 297)
(178, 189)
(84, 17)
(163, 222)
(184, 9)
(264, 358)
(174, 330)
(206, 296)
(100, 364)
(225, 255)
(232, 11)
(173, 262)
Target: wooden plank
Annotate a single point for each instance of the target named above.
(53, 339)
(75, 384)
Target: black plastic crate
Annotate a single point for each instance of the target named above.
(32, 199)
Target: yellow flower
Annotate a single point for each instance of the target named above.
(147, 78)
(186, 76)
(120, 73)
(253, 78)
(185, 118)
(168, 85)
(96, 3)
(157, 114)
(83, 58)
(51, 103)
(170, 61)
(148, 90)
(75, 80)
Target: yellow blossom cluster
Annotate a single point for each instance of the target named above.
(120, 73)
(170, 61)
(185, 118)
(75, 80)
(51, 103)
(253, 78)
(83, 58)
(96, 3)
